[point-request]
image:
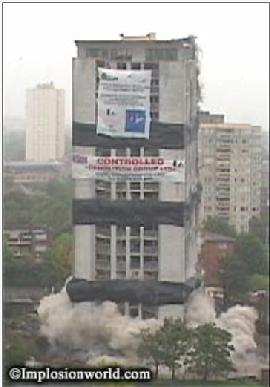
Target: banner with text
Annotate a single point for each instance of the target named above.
(128, 168)
(124, 103)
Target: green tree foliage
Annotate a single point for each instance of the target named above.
(242, 271)
(51, 208)
(210, 351)
(258, 282)
(259, 227)
(204, 350)
(51, 271)
(59, 259)
(175, 343)
(234, 277)
(251, 252)
(167, 346)
(218, 226)
(7, 252)
(150, 348)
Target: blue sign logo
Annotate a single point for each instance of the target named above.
(135, 121)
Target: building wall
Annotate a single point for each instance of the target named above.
(212, 259)
(230, 172)
(150, 249)
(26, 241)
(44, 123)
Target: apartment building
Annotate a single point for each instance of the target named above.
(230, 172)
(45, 116)
(27, 241)
(138, 229)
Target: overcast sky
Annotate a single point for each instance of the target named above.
(234, 38)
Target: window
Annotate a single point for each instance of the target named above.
(135, 66)
(121, 248)
(154, 152)
(135, 232)
(135, 186)
(135, 152)
(121, 66)
(134, 310)
(102, 152)
(134, 262)
(135, 195)
(120, 54)
(121, 152)
(156, 54)
(154, 116)
(149, 312)
(135, 246)
(151, 195)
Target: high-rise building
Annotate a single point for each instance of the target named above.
(265, 174)
(138, 230)
(230, 172)
(45, 123)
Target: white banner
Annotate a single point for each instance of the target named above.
(124, 103)
(128, 168)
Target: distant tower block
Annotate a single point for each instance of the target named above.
(45, 123)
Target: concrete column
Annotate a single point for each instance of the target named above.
(113, 252)
(84, 251)
(127, 252)
(171, 253)
(141, 273)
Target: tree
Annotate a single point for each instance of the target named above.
(219, 226)
(175, 340)
(258, 282)
(150, 348)
(252, 253)
(234, 277)
(210, 351)
(259, 227)
(60, 258)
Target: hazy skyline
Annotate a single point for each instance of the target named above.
(38, 44)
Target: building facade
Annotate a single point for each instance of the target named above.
(45, 117)
(27, 241)
(215, 247)
(138, 230)
(230, 172)
(265, 173)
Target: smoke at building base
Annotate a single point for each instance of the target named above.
(93, 333)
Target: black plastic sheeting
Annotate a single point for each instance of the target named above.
(123, 212)
(133, 291)
(162, 135)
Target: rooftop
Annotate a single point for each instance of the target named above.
(227, 126)
(151, 37)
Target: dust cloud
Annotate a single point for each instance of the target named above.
(99, 332)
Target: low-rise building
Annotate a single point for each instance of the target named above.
(25, 240)
(28, 176)
(214, 248)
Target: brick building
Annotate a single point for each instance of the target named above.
(214, 248)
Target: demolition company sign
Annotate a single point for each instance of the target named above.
(128, 168)
(124, 103)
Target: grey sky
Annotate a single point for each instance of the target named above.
(234, 38)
